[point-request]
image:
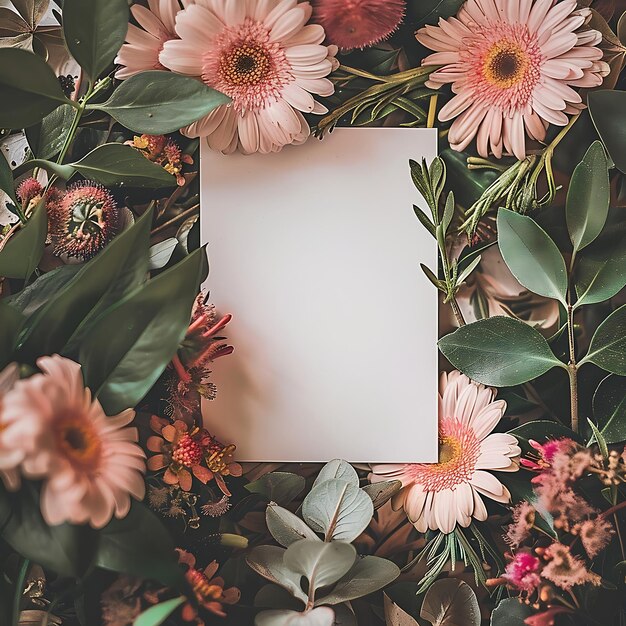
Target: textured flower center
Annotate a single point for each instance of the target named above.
(202, 587)
(459, 449)
(244, 64)
(86, 219)
(187, 452)
(78, 441)
(505, 65)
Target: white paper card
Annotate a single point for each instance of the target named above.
(315, 251)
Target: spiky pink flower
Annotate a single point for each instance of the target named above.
(524, 515)
(514, 68)
(522, 572)
(566, 570)
(595, 535)
(358, 23)
(264, 56)
(27, 190)
(440, 495)
(86, 219)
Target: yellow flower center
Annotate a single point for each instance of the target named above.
(247, 64)
(449, 450)
(78, 441)
(505, 64)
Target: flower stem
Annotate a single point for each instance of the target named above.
(19, 590)
(572, 368)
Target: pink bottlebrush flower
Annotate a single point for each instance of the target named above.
(566, 570)
(143, 45)
(10, 457)
(264, 56)
(523, 572)
(89, 462)
(358, 23)
(440, 495)
(523, 520)
(85, 221)
(595, 535)
(28, 190)
(514, 68)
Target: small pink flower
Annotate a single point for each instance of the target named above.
(89, 462)
(523, 572)
(595, 535)
(566, 570)
(547, 452)
(358, 23)
(523, 520)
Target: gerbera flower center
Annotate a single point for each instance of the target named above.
(79, 442)
(505, 65)
(245, 65)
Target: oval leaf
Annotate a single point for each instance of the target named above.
(338, 509)
(281, 487)
(609, 408)
(396, 615)
(156, 615)
(607, 112)
(322, 616)
(268, 561)
(114, 164)
(588, 197)
(608, 345)
(499, 351)
(510, 612)
(29, 89)
(285, 527)
(337, 469)
(382, 492)
(46, 139)
(451, 602)
(94, 32)
(531, 255)
(158, 102)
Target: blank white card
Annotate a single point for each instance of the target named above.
(315, 251)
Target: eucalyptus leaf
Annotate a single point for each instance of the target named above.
(29, 89)
(395, 615)
(94, 32)
(158, 102)
(22, 252)
(499, 351)
(607, 112)
(600, 272)
(161, 253)
(337, 469)
(588, 197)
(338, 509)
(531, 255)
(285, 527)
(451, 602)
(367, 575)
(609, 408)
(157, 614)
(322, 564)
(114, 163)
(608, 345)
(280, 487)
(135, 339)
(382, 492)
(46, 138)
(268, 561)
(510, 612)
(322, 616)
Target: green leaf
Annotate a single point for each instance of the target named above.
(31, 10)
(6, 180)
(600, 272)
(281, 487)
(65, 549)
(510, 612)
(597, 436)
(94, 32)
(609, 408)
(29, 89)
(285, 527)
(321, 616)
(541, 430)
(607, 112)
(608, 345)
(588, 197)
(117, 164)
(116, 266)
(161, 253)
(156, 615)
(322, 564)
(395, 615)
(12, 321)
(429, 11)
(531, 255)
(46, 138)
(338, 509)
(367, 575)
(158, 102)
(499, 351)
(382, 492)
(337, 469)
(451, 602)
(139, 545)
(23, 251)
(132, 342)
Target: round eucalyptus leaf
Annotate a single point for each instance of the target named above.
(337, 469)
(451, 602)
(499, 351)
(608, 345)
(531, 255)
(510, 612)
(285, 527)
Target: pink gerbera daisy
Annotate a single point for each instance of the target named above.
(440, 495)
(9, 456)
(513, 67)
(265, 58)
(143, 45)
(89, 463)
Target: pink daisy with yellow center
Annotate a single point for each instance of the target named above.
(265, 57)
(9, 456)
(440, 495)
(513, 67)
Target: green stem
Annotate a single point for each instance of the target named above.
(572, 368)
(19, 590)
(450, 286)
